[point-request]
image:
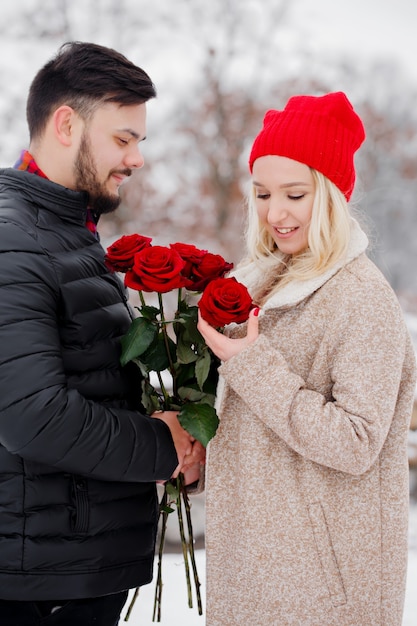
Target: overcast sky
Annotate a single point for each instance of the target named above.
(362, 28)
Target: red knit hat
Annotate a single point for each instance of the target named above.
(323, 132)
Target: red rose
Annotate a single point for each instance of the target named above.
(156, 268)
(210, 267)
(225, 300)
(191, 255)
(120, 255)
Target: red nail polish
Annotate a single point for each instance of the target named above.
(256, 311)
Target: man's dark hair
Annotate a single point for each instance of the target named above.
(84, 76)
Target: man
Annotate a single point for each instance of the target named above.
(78, 460)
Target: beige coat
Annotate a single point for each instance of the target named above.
(307, 477)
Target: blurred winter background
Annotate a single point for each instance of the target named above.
(218, 66)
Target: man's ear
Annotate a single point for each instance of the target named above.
(64, 119)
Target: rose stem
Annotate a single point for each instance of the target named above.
(184, 544)
(132, 602)
(165, 335)
(191, 546)
(164, 392)
(179, 303)
(142, 299)
(159, 585)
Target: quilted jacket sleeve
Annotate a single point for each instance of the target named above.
(41, 418)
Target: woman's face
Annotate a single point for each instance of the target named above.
(284, 195)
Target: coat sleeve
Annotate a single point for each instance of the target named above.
(43, 420)
(370, 365)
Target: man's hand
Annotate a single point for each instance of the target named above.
(183, 441)
(197, 456)
(193, 463)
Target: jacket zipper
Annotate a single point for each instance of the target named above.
(82, 509)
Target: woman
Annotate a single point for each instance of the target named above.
(307, 477)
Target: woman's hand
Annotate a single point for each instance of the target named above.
(226, 347)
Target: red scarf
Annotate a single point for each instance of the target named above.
(27, 163)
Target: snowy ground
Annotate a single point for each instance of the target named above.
(175, 611)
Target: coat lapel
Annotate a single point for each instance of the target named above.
(251, 275)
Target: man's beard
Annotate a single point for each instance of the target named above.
(86, 179)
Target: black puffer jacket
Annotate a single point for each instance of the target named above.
(78, 503)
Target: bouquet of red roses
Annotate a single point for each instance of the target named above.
(178, 370)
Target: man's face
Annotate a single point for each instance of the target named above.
(108, 153)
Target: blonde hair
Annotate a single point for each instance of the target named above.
(328, 239)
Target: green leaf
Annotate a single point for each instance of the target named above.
(202, 368)
(193, 394)
(171, 489)
(190, 330)
(200, 420)
(150, 398)
(210, 383)
(151, 403)
(156, 357)
(190, 394)
(167, 509)
(185, 374)
(208, 398)
(144, 370)
(138, 338)
(150, 312)
(185, 352)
